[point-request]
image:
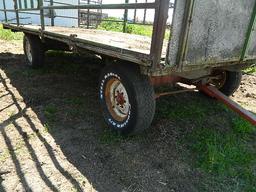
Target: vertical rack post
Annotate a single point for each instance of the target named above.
(52, 13)
(145, 14)
(32, 4)
(88, 15)
(20, 4)
(125, 18)
(25, 4)
(16, 12)
(161, 16)
(41, 4)
(5, 14)
(79, 14)
(135, 13)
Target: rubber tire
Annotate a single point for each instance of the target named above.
(233, 82)
(37, 51)
(141, 96)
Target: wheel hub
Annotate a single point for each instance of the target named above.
(218, 79)
(117, 99)
(120, 99)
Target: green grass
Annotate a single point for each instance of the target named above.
(144, 30)
(109, 137)
(9, 35)
(50, 112)
(227, 155)
(218, 142)
(250, 70)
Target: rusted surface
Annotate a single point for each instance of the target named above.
(162, 80)
(215, 93)
(158, 95)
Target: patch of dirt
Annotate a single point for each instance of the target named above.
(246, 95)
(11, 47)
(53, 138)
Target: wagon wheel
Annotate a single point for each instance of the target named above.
(226, 81)
(127, 99)
(34, 51)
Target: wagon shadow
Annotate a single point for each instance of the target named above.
(64, 98)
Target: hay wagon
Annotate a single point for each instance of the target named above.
(210, 43)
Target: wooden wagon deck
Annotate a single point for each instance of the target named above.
(135, 43)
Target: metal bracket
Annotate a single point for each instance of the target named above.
(41, 34)
(72, 45)
(215, 93)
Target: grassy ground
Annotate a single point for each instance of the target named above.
(223, 149)
(8, 35)
(251, 70)
(144, 30)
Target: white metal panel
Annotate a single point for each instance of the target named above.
(217, 32)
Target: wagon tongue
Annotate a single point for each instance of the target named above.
(214, 92)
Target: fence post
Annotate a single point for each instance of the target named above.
(16, 11)
(125, 18)
(5, 14)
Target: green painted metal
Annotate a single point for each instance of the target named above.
(125, 18)
(5, 14)
(40, 5)
(88, 15)
(249, 34)
(32, 4)
(189, 9)
(20, 4)
(52, 13)
(16, 12)
(106, 6)
(25, 4)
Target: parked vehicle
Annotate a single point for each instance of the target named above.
(211, 42)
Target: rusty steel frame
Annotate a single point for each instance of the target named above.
(215, 93)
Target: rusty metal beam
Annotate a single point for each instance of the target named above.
(163, 80)
(215, 93)
(158, 95)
